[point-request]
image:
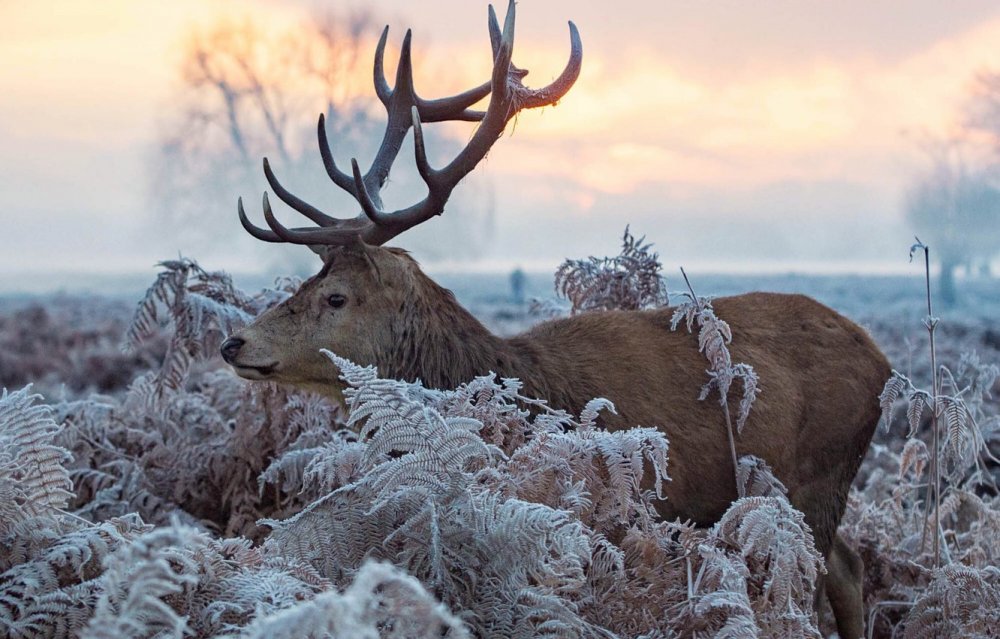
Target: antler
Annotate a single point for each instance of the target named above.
(405, 109)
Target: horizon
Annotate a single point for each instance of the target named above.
(132, 283)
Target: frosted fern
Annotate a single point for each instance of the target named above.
(202, 308)
(139, 579)
(959, 601)
(33, 478)
(714, 335)
(915, 456)
(382, 602)
(628, 281)
(719, 603)
(777, 547)
(420, 496)
(895, 386)
(754, 478)
(919, 403)
(960, 411)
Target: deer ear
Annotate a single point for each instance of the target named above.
(321, 250)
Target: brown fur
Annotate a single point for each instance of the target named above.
(820, 375)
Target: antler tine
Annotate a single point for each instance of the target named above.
(303, 207)
(339, 178)
(259, 233)
(495, 34)
(284, 234)
(498, 113)
(346, 231)
(404, 68)
(560, 86)
(364, 198)
(455, 107)
(423, 166)
(382, 89)
(399, 98)
(507, 37)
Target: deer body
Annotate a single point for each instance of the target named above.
(812, 423)
(820, 373)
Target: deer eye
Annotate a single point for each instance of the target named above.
(336, 300)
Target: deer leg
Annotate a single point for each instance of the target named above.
(844, 588)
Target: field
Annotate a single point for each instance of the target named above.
(150, 492)
(63, 343)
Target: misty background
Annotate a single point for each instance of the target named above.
(799, 137)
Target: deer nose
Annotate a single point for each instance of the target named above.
(231, 348)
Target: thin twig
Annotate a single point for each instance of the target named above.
(694, 298)
(690, 581)
(934, 489)
(885, 604)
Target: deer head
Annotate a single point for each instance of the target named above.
(355, 304)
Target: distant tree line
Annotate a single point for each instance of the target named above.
(954, 204)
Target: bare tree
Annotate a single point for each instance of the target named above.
(982, 108)
(247, 93)
(983, 123)
(955, 205)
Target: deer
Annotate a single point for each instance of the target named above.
(372, 304)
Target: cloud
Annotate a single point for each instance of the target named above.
(625, 125)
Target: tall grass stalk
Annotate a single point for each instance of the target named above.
(934, 487)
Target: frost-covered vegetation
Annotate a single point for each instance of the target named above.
(192, 503)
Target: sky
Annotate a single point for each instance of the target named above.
(781, 137)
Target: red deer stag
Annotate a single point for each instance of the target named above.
(373, 305)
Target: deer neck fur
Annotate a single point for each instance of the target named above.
(439, 342)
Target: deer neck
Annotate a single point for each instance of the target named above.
(441, 343)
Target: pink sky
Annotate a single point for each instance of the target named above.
(710, 128)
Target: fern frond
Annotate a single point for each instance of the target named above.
(165, 290)
(713, 337)
(894, 387)
(916, 456)
(960, 601)
(754, 478)
(31, 462)
(139, 578)
(382, 602)
(628, 281)
(751, 388)
(777, 546)
(958, 422)
(721, 604)
(918, 404)
(590, 412)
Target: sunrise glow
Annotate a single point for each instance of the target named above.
(87, 89)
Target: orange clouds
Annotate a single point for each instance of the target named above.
(638, 117)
